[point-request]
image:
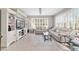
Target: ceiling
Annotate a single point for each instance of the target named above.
(41, 11)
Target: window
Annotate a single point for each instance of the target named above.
(40, 23)
(68, 19)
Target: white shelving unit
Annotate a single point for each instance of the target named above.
(12, 34)
(21, 17)
(11, 21)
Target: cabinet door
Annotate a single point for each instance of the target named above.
(11, 37)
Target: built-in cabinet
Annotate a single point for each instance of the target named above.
(13, 22)
(11, 33)
(20, 25)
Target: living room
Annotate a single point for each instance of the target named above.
(62, 25)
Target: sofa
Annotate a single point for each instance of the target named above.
(60, 35)
(74, 42)
(55, 35)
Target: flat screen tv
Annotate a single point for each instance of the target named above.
(20, 24)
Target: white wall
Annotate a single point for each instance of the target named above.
(4, 27)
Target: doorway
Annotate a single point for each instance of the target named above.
(0, 30)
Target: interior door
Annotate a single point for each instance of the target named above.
(0, 30)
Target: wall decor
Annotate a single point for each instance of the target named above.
(11, 22)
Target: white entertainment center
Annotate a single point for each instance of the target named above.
(20, 25)
(11, 31)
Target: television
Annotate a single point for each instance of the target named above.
(20, 24)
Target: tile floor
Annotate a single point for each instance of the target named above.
(32, 42)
